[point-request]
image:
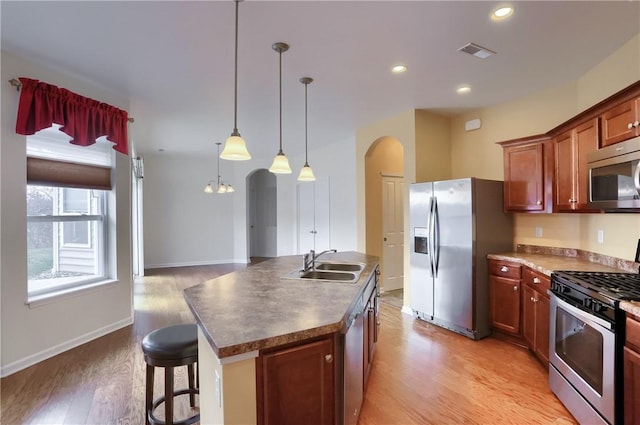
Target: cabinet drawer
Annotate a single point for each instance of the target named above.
(537, 280)
(633, 334)
(505, 269)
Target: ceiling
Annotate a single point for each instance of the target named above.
(174, 60)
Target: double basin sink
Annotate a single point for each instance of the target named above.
(333, 271)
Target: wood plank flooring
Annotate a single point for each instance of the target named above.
(421, 374)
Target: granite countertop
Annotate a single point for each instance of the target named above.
(255, 308)
(545, 263)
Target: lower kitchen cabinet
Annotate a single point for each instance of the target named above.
(372, 325)
(631, 365)
(297, 385)
(535, 313)
(504, 296)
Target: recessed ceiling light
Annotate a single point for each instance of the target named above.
(503, 12)
(463, 89)
(398, 69)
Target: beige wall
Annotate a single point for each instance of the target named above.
(384, 157)
(433, 147)
(475, 153)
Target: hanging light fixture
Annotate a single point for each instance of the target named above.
(221, 186)
(235, 148)
(280, 162)
(306, 173)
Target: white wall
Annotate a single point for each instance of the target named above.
(183, 225)
(32, 334)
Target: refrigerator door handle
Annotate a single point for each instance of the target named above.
(436, 237)
(432, 204)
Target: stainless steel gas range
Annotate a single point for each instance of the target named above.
(586, 342)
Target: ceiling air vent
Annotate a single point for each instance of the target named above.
(476, 50)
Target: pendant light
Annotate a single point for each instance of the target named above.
(221, 186)
(306, 173)
(280, 162)
(235, 148)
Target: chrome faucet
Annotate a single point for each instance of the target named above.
(309, 259)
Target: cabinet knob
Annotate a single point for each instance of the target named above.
(378, 323)
(538, 202)
(536, 280)
(636, 123)
(504, 269)
(515, 287)
(630, 126)
(328, 358)
(532, 299)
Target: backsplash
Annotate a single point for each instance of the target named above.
(618, 263)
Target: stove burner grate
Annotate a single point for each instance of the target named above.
(621, 286)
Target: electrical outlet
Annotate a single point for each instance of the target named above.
(538, 232)
(600, 236)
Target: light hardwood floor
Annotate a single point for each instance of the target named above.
(421, 374)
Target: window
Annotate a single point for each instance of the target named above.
(66, 216)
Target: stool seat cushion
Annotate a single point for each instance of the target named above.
(171, 342)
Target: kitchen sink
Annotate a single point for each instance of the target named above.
(343, 267)
(328, 275)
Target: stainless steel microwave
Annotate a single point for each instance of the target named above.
(614, 176)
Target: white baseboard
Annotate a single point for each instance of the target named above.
(407, 310)
(18, 365)
(193, 263)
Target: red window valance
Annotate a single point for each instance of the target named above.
(81, 118)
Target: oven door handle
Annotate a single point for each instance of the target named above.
(582, 315)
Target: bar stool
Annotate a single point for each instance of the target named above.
(170, 347)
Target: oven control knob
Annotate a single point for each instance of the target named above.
(597, 307)
(588, 303)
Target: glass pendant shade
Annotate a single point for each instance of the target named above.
(230, 189)
(208, 188)
(280, 164)
(235, 149)
(306, 174)
(222, 189)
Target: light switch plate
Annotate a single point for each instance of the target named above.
(538, 232)
(600, 236)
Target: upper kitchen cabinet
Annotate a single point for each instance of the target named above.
(528, 169)
(571, 179)
(621, 122)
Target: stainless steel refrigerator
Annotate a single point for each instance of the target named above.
(454, 224)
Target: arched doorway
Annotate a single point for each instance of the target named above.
(262, 215)
(384, 209)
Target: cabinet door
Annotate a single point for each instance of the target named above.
(571, 180)
(631, 387)
(616, 123)
(541, 343)
(565, 171)
(585, 141)
(504, 306)
(524, 178)
(529, 315)
(369, 336)
(297, 385)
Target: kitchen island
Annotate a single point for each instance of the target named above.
(259, 325)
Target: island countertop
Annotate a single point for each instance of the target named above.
(256, 308)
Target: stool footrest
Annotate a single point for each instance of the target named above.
(188, 421)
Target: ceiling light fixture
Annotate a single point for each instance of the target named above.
(235, 148)
(398, 69)
(502, 12)
(280, 162)
(463, 89)
(306, 173)
(221, 186)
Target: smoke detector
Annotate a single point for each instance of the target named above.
(476, 50)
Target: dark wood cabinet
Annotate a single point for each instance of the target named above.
(504, 296)
(528, 174)
(631, 365)
(535, 313)
(621, 122)
(571, 179)
(372, 325)
(297, 385)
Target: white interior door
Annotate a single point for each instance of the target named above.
(392, 232)
(313, 211)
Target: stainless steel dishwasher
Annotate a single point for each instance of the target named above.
(354, 364)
